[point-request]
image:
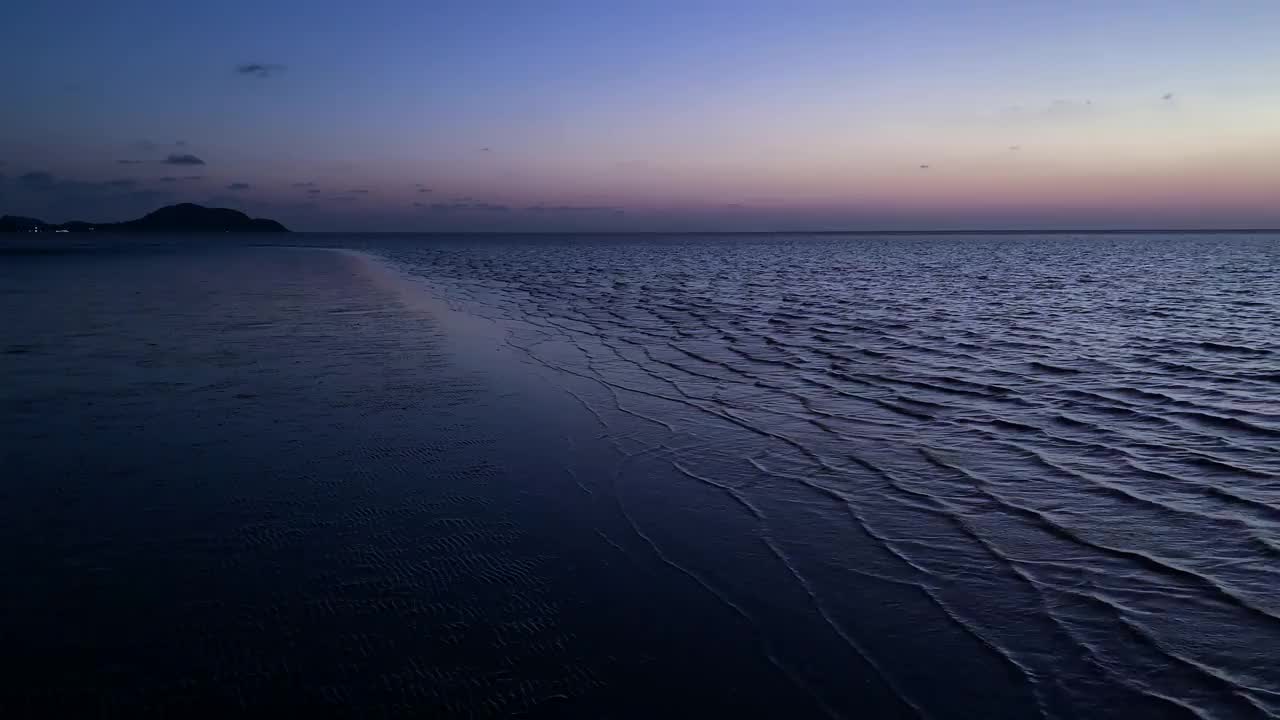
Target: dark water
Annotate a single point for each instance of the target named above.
(616, 477)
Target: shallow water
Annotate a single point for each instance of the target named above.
(804, 476)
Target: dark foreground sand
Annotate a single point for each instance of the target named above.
(249, 478)
(651, 476)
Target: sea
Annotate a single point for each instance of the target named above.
(637, 476)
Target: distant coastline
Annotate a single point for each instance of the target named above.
(189, 217)
(185, 217)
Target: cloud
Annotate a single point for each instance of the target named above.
(420, 205)
(424, 190)
(152, 146)
(1067, 108)
(1167, 96)
(182, 159)
(485, 149)
(192, 177)
(576, 209)
(168, 179)
(460, 206)
(313, 191)
(41, 194)
(304, 184)
(1058, 111)
(172, 179)
(358, 191)
(259, 70)
(129, 162)
(239, 186)
(1015, 148)
(924, 167)
(35, 179)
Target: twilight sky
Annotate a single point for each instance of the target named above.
(668, 115)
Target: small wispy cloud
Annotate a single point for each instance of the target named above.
(304, 184)
(182, 159)
(313, 191)
(129, 162)
(1057, 111)
(1167, 96)
(192, 177)
(1015, 148)
(35, 179)
(579, 208)
(358, 191)
(239, 186)
(924, 166)
(480, 206)
(68, 197)
(1068, 108)
(259, 70)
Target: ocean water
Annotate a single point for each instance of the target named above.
(755, 476)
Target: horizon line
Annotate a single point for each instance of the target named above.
(1046, 231)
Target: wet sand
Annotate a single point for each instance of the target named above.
(631, 477)
(265, 478)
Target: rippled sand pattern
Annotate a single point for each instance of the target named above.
(1009, 476)
(643, 477)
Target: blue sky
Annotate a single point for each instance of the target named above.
(660, 115)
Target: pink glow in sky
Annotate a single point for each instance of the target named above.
(822, 115)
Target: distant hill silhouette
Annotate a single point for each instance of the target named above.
(186, 217)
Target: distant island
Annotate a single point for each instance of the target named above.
(185, 217)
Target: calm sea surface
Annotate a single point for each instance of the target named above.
(636, 476)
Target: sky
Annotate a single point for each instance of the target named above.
(663, 115)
